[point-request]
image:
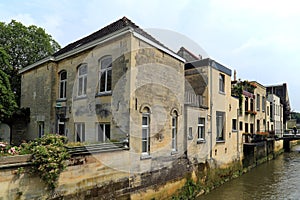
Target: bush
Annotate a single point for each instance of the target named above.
(48, 157)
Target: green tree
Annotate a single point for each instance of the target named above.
(7, 98)
(25, 46)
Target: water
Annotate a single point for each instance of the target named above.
(276, 179)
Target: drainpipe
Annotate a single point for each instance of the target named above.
(211, 108)
(238, 134)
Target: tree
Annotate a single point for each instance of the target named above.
(7, 98)
(25, 46)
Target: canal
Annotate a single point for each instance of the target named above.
(276, 179)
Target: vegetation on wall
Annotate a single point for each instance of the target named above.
(48, 156)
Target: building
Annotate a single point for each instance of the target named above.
(210, 113)
(282, 92)
(276, 114)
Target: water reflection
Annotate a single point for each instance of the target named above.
(276, 179)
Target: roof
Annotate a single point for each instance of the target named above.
(113, 27)
(109, 31)
(208, 62)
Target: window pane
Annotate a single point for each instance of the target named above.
(108, 86)
(102, 81)
(85, 85)
(144, 133)
(63, 75)
(80, 82)
(145, 120)
(83, 70)
(61, 90)
(144, 146)
(107, 132)
(106, 63)
(100, 133)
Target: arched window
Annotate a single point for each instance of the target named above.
(63, 85)
(146, 131)
(105, 73)
(174, 130)
(82, 80)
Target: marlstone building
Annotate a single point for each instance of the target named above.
(121, 84)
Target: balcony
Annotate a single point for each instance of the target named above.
(195, 100)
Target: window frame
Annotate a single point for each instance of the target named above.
(221, 83)
(258, 102)
(80, 136)
(220, 133)
(82, 78)
(201, 129)
(174, 131)
(107, 69)
(41, 129)
(146, 140)
(62, 93)
(234, 125)
(102, 131)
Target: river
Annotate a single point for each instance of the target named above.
(276, 179)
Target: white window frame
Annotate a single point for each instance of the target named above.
(258, 102)
(201, 129)
(220, 123)
(62, 85)
(80, 132)
(105, 70)
(222, 83)
(174, 131)
(82, 80)
(146, 139)
(102, 132)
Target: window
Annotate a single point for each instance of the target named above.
(41, 128)
(174, 131)
(105, 72)
(201, 129)
(246, 128)
(258, 125)
(263, 104)
(234, 128)
(222, 83)
(80, 132)
(62, 85)
(103, 132)
(220, 125)
(241, 126)
(258, 102)
(146, 132)
(246, 103)
(251, 104)
(251, 128)
(82, 80)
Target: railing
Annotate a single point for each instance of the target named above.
(193, 99)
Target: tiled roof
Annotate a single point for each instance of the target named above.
(115, 26)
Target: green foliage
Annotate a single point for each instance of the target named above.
(25, 46)
(48, 157)
(189, 191)
(7, 98)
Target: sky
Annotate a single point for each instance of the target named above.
(259, 39)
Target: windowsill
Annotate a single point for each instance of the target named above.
(220, 141)
(190, 137)
(235, 131)
(145, 156)
(201, 141)
(80, 98)
(220, 92)
(101, 94)
(61, 100)
(174, 152)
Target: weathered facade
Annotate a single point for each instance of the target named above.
(170, 110)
